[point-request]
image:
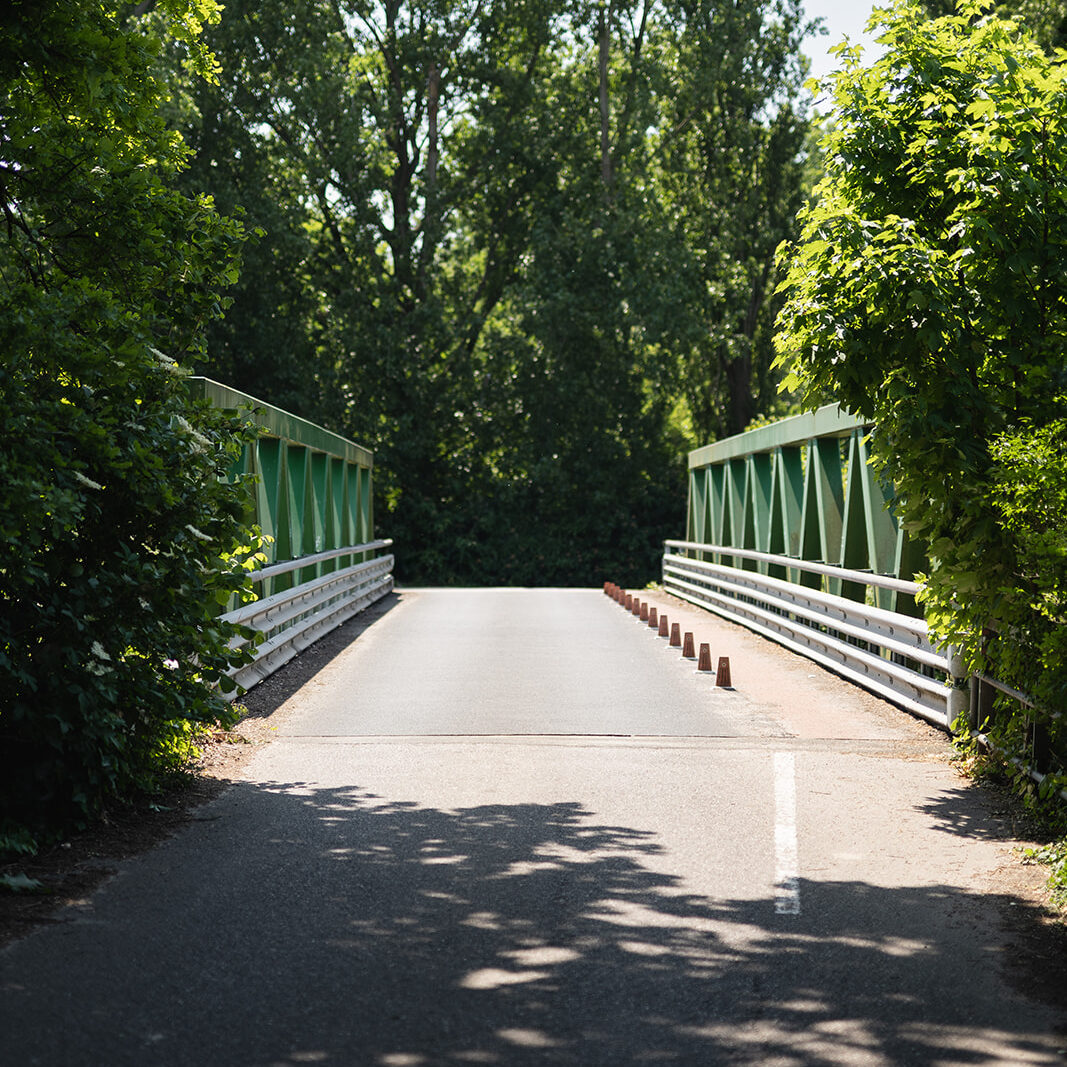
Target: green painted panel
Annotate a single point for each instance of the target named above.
(311, 524)
(319, 470)
(910, 559)
(881, 523)
(268, 464)
(823, 510)
(717, 503)
(811, 532)
(348, 530)
(854, 527)
(709, 507)
(355, 492)
(737, 492)
(331, 537)
(732, 505)
(698, 505)
(296, 469)
(791, 495)
(787, 503)
(776, 526)
(824, 459)
(283, 547)
(757, 507)
(366, 512)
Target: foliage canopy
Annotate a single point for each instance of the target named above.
(1045, 19)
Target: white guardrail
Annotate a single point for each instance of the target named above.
(294, 618)
(883, 651)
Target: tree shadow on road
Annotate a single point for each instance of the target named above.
(340, 928)
(986, 809)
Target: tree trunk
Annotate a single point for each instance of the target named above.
(604, 26)
(739, 394)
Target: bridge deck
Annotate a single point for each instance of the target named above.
(512, 827)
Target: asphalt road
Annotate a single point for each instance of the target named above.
(513, 827)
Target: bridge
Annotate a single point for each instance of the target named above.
(789, 534)
(523, 826)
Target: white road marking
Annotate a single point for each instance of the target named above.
(786, 864)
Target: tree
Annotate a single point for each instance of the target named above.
(587, 479)
(732, 143)
(489, 231)
(647, 287)
(118, 540)
(928, 293)
(357, 138)
(1045, 19)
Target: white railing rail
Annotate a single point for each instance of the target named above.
(291, 620)
(883, 651)
(319, 557)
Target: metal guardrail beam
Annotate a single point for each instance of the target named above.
(884, 651)
(291, 620)
(880, 581)
(320, 557)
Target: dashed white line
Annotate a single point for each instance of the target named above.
(786, 864)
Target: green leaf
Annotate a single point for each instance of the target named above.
(20, 883)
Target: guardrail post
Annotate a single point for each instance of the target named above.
(960, 702)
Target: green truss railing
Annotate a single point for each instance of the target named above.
(802, 487)
(313, 487)
(313, 501)
(791, 533)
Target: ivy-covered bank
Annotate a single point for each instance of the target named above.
(117, 538)
(928, 292)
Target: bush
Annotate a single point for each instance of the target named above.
(118, 540)
(929, 293)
